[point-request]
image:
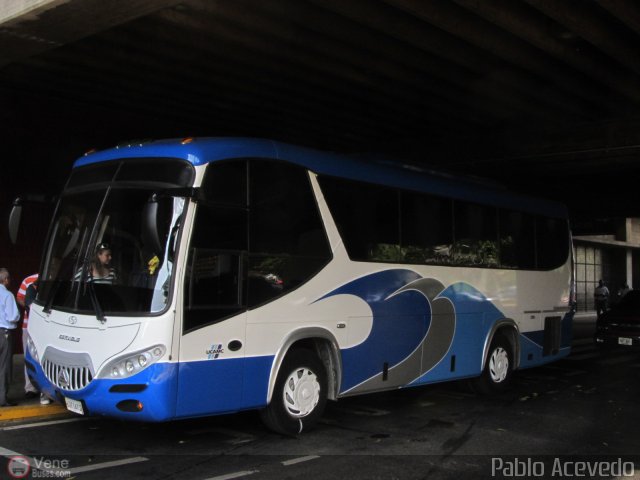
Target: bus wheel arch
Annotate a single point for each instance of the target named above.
(305, 374)
(500, 358)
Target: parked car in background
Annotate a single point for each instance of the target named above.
(621, 324)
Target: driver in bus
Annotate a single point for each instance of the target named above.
(101, 269)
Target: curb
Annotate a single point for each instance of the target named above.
(21, 412)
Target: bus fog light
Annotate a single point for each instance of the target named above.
(130, 406)
(132, 363)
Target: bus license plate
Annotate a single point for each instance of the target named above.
(625, 341)
(74, 406)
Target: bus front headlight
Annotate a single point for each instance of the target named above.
(31, 347)
(132, 363)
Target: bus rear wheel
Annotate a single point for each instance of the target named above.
(498, 369)
(299, 395)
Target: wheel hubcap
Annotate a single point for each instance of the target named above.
(301, 392)
(499, 365)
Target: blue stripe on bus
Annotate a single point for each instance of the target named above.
(158, 399)
(400, 323)
(205, 150)
(176, 390)
(223, 385)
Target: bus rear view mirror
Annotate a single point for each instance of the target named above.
(16, 212)
(14, 220)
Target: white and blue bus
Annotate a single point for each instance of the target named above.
(250, 274)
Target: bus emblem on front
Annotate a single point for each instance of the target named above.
(63, 378)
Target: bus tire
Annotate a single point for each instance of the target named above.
(498, 369)
(299, 395)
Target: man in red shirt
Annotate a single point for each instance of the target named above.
(30, 390)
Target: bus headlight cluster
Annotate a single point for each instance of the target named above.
(31, 347)
(132, 363)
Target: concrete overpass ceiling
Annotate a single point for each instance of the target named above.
(542, 96)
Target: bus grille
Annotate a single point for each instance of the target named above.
(66, 377)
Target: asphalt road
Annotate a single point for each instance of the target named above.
(582, 408)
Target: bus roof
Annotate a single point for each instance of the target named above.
(203, 150)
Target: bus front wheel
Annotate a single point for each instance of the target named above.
(498, 369)
(299, 395)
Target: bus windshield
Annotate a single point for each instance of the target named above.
(103, 258)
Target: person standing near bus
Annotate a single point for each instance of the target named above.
(9, 316)
(27, 285)
(601, 297)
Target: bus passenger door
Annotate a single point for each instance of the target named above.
(212, 344)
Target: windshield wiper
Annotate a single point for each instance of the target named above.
(95, 302)
(48, 302)
(65, 271)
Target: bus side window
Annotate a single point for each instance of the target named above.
(287, 241)
(517, 240)
(426, 228)
(367, 218)
(214, 284)
(552, 241)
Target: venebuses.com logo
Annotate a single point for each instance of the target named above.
(18, 467)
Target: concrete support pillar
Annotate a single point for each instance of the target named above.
(630, 267)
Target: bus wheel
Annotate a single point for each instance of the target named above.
(498, 369)
(299, 395)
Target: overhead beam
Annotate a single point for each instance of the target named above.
(440, 55)
(519, 20)
(12, 9)
(628, 12)
(459, 22)
(30, 27)
(586, 22)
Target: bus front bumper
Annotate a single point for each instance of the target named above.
(149, 395)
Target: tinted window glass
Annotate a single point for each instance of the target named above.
(517, 240)
(476, 235)
(552, 240)
(426, 228)
(245, 255)
(367, 217)
(220, 227)
(226, 183)
(381, 224)
(284, 214)
(214, 289)
(96, 173)
(287, 241)
(162, 170)
(172, 172)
